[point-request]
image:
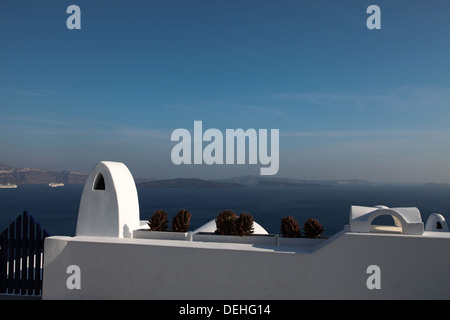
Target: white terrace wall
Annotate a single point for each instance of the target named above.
(109, 264)
(411, 267)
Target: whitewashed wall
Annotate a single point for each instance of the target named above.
(106, 263)
(412, 267)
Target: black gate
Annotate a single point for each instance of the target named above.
(22, 256)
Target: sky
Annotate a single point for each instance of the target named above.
(348, 101)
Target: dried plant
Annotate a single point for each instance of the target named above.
(290, 227)
(158, 221)
(312, 228)
(243, 225)
(181, 221)
(225, 222)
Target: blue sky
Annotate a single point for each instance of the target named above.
(349, 102)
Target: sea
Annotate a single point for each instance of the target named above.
(56, 209)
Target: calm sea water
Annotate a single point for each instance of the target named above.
(56, 209)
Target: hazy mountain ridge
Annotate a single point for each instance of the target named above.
(291, 182)
(21, 176)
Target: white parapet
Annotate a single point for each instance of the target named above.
(109, 204)
(409, 267)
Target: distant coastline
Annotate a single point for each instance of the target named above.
(21, 176)
(264, 181)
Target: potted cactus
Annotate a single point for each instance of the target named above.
(225, 222)
(231, 228)
(312, 228)
(158, 221)
(158, 224)
(290, 227)
(243, 225)
(181, 221)
(292, 233)
(228, 223)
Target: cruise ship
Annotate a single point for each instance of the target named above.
(8, 186)
(55, 185)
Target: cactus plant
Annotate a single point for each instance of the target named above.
(158, 221)
(290, 227)
(312, 228)
(243, 225)
(181, 221)
(225, 222)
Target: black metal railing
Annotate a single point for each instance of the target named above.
(22, 257)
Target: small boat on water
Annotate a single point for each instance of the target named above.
(8, 186)
(55, 185)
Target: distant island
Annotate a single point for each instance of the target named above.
(264, 181)
(21, 176)
(281, 184)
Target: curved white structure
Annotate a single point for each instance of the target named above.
(408, 219)
(436, 222)
(109, 204)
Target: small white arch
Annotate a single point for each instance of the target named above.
(395, 221)
(436, 222)
(399, 221)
